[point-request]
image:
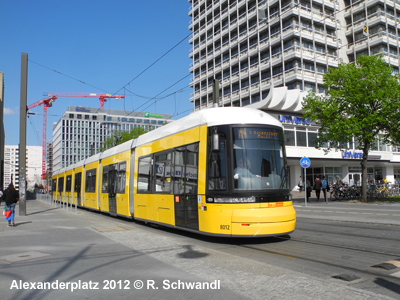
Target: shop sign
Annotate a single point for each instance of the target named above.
(352, 154)
(82, 109)
(294, 120)
(147, 115)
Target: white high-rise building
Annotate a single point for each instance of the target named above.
(269, 54)
(251, 46)
(33, 166)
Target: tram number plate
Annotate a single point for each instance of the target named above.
(225, 227)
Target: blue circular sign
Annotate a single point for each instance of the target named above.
(305, 162)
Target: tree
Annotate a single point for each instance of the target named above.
(362, 102)
(119, 137)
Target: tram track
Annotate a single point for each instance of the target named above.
(344, 263)
(359, 271)
(339, 246)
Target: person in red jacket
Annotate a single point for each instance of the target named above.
(11, 197)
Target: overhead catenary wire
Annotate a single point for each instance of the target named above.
(155, 97)
(137, 76)
(152, 64)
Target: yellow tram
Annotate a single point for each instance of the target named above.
(219, 171)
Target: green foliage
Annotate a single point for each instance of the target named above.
(119, 137)
(362, 100)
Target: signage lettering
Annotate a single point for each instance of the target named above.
(294, 120)
(352, 154)
(147, 115)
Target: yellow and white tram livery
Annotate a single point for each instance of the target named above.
(218, 171)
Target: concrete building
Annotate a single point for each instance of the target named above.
(268, 54)
(33, 166)
(81, 131)
(2, 133)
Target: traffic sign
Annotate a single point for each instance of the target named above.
(305, 162)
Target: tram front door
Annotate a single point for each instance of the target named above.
(185, 183)
(112, 188)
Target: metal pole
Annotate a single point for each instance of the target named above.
(215, 92)
(305, 187)
(22, 134)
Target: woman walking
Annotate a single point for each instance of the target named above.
(10, 196)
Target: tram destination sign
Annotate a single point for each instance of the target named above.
(256, 133)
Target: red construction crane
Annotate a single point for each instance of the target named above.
(103, 97)
(46, 103)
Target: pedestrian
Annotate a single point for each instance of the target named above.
(308, 189)
(301, 185)
(11, 197)
(339, 181)
(317, 187)
(324, 186)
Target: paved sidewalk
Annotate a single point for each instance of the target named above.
(53, 253)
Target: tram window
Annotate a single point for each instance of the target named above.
(61, 184)
(104, 184)
(54, 185)
(191, 169)
(144, 174)
(185, 169)
(163, 168)
(90, 182)
(217, 169)
(258, 159)
(121, 178)
(179, 170)
(78, 178)
(112, 179)
(68, 184)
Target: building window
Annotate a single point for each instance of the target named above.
(289, 137)
(301, 138)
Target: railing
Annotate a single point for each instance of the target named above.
(61, 201)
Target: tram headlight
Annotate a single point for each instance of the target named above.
(251, 199)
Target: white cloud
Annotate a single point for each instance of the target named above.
(9, 111)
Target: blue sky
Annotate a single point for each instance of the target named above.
(94, 46)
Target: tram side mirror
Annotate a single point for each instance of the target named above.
(215, 141)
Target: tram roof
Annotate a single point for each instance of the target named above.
(211, 117)
(117, 149)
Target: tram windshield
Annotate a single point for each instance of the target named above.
(258, 159)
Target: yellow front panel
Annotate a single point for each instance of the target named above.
(248, 219)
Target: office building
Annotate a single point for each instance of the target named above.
(2, 133)
(81, 131)
(269, 54)
(33, 166)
